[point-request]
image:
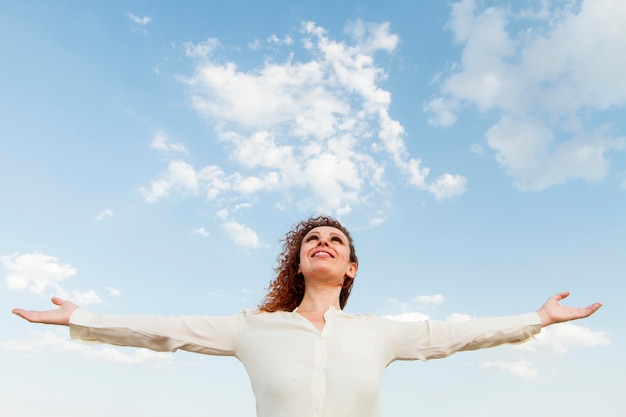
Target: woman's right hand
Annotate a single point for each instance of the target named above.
(59, 316)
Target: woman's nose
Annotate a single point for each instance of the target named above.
(322, 242)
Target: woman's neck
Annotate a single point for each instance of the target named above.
(317, 300)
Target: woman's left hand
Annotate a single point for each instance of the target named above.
(553, 312)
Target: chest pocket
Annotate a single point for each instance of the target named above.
(355, 340)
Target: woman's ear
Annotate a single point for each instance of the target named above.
(352, 270)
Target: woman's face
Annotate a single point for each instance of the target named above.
(325, 256)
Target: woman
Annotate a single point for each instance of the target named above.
(303, 354)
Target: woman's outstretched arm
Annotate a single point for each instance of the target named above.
(60, 316)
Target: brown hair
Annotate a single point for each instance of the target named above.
(286, 291)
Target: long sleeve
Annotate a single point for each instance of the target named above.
(207, 335)
(437, 339)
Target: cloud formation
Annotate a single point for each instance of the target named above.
(161, 142)
(38, 273)
(563, 337)
(35, 272)
(544, 81)
(318, 133)
(143, 21)
(103, 214)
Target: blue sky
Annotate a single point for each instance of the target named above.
(153, 155)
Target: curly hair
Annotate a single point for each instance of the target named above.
(286, 291)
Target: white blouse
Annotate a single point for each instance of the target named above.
(296, 370)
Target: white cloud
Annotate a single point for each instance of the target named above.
(202, 49)
(520, 368)
(448, 186)
(433, 300)
(456, 317)
(35, 272)
(45, 341)
(546, 107)
(82, 298)
(316, 132)
(114, 292)
(242, 235)
(180, 177)
(562, 337)
(409, 309)
(371, 36)
(201, 231)
(286, 40)
(161, 143)
(103, 214)
(143, 21)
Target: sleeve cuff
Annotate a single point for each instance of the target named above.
(79, 321)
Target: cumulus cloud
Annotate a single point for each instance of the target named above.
(546, 133)
(45, 341)
(35, 272)
(242, 235)
(319, 128)
(180, 177)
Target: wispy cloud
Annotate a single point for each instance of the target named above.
(521, 367)
(202, 49)
(103, 215)
(114, 292)
(430, 300)
(161, 143)
(143, 21)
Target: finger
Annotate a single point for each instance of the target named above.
(562, 295)
(593, 308)
(25, 314)
(57, 301)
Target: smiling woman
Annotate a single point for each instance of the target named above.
(287, 289)
(304, 355)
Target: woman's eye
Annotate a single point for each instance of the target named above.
(337, 239)
(310, 238)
